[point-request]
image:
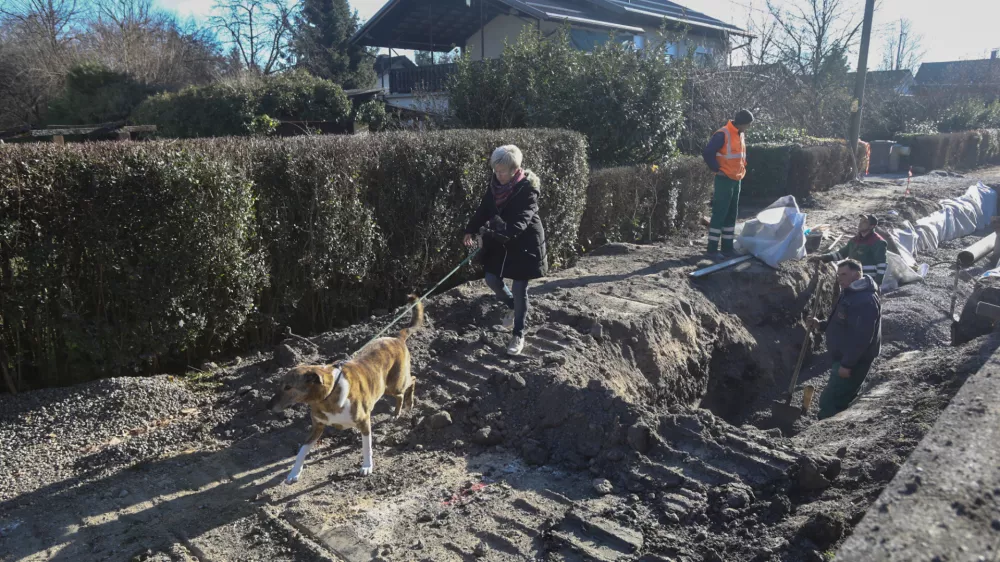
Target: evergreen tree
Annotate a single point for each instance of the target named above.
(323, 29)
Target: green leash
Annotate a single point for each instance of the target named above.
(414, 303)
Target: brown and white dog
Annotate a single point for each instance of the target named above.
(344, 397)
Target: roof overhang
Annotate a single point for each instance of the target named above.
(441, 25)
(434, 25)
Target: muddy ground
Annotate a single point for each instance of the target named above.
(637, 426)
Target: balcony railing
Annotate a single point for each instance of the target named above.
(422, 78)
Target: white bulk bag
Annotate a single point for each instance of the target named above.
(777, 234)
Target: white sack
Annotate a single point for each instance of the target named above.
(898, 273)
(777, 234)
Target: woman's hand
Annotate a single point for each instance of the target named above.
(467, 241)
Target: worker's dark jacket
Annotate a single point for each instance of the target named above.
(514, 244)
(712, 149)
(854, 330)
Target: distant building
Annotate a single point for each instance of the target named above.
(481, 28)
(979, 78)
(898, 81)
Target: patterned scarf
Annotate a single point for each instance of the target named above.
(501, 193)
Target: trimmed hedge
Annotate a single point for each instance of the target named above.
(113, 255)
(775, 170)
(962, 151)
(244, 106)
(645, 203)
(118, 256)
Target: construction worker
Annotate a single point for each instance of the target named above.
(726, 155)
(853, 336)
(867, 247)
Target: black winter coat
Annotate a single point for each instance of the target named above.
(854, 329)
(517, 251)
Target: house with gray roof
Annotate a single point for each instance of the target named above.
(481, 28)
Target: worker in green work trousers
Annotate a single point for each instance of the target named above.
(853, 336)
(726, 155)
(867, 247)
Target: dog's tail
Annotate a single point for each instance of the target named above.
(418, 318)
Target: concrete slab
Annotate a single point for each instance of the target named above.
(944, 503)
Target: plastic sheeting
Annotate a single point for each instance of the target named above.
(958, 217)
(898, 272)
(777, 234)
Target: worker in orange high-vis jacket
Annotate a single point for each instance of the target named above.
(726, 155)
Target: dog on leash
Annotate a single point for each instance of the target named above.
(344, 397)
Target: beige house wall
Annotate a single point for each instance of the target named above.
(506, 29)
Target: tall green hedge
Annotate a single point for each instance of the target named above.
(964, 150)
(808, 165)
(244, 106)
(114, 257)
(645, 203)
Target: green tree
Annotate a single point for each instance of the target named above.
(96, 94)
(627, 102)
(321, 44)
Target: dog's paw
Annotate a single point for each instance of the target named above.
(366, 470)
(291, 480)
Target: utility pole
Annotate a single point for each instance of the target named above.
(859, 85)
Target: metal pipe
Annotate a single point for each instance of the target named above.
(718, 266)
(977, 251)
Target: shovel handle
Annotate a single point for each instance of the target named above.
(798, 365)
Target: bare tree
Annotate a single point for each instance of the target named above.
(814, 34)
(902, 48)
(130, 36)
(259, 30)
(762, 48)
(49, 20)
(37, 47)
(813, 40)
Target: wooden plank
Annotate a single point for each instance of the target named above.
(58, 139)
(86, 130)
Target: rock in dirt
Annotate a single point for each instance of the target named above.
(824, 529)
(286, 356)
(439, 420)
(486, 436)
(780, 506)
(534, 453)
(738, 497)
(603, 486)
(516, 381)
(811, 478)
(638, 437)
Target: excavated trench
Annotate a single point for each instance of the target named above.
(630, 379)
(635, 427)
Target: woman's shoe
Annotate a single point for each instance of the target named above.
(516, 345)
(508, 320)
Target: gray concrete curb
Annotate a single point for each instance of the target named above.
(944, 503)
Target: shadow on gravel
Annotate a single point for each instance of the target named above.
(152, 503)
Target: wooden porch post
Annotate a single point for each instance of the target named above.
(58, 139)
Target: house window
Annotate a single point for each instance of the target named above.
(672, 50)
(587, 39)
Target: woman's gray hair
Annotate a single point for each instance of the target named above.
(507, 155)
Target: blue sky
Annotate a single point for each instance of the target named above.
(957, 29)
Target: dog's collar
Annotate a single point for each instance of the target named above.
(340, 373)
